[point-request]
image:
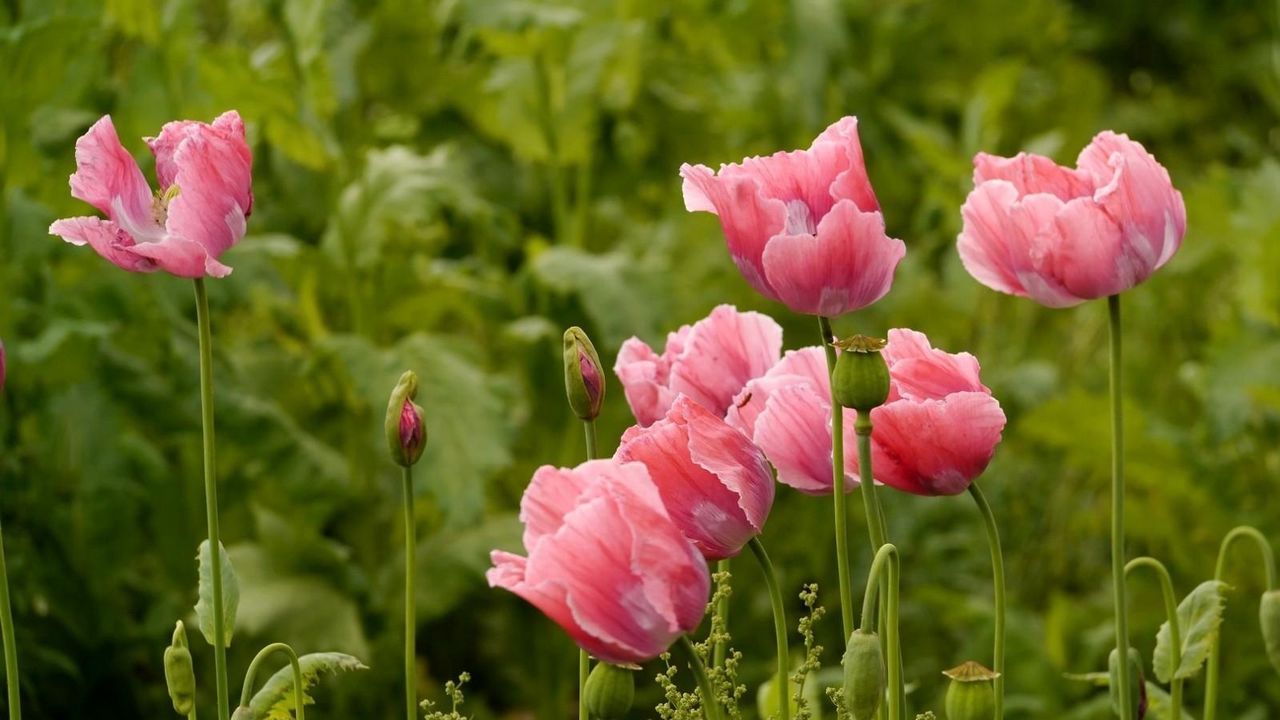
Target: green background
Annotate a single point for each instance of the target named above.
(445, 186)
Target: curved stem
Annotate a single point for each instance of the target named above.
(251, 676)
(211, 494)
(886, 562)
(710, 706)
(584, 660)
(722, 614)
(997, 574)
(1269, 571)
(10, 643)
(410, 606)
(779, 627)
(875, 520)
(1117, 509)
(1175, 631)
(837, 487)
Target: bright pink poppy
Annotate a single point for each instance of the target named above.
(708, 361)
(1061, 236)
(204, 172)
(605, 561)
(804, 227)
(715, 483)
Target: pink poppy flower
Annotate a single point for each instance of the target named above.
(804, 227)
(605, 561)
(715, 483)
(708, 361)
(205, 196)
(1061, 236)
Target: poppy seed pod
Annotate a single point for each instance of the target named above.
(179, 673)
(610, 691)
(971, 694)
(1269, 614)
(406, 431)
(861, 378)
(583, 374)
(864, 675)
(1138, 684)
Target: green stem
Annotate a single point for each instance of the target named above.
(584, 660)
(1117, 509)
(997, 572)
(779, 627)
(410, 605)
(837, 487)
(722, 616)
(710, 706)
(1175, 632)
(10, 643)
(886, 561)
(875, 515)
(1269, 569)
(251, 676)
(211, 494)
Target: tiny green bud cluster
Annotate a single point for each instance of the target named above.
(610, 691)
(971, 694)
(406, 431)
(864, 675)
(861, 378)
(179, 672)
(583, 374)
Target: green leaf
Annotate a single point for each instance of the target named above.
(1199, 615)
(275, 700)
(230, 595)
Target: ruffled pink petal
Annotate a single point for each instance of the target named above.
(106, 238)
(920, 372)
(108, 178)
(164, 145)
(645, 376)
(747, 216)
(935, 447)
(214, 180)
(722, 353)
(848, 265)
(807, 365)
(551, 494)
(182, 258)
(794, 431)
(1032, 174)
(1091, 257)
(852, 183)
(736, 461)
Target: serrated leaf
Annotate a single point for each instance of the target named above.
(1199, 616)
(275, 700)
(230, 595)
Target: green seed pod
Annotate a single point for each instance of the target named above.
(179, 673)
(864, 675)
(583, 374)
(1269, 613)
(861, 378)
(610, 691)
(406, 431)
(1138, 684)
(767, 697)
(971, 694)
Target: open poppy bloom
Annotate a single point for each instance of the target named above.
(205, 196)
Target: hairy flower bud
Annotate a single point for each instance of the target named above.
(179, 673)
(610, 691)
(971, 694)
(406, 431)
(1269, 614)
(1138, 684)
(583, 375)
(861, 378)
(864, 675)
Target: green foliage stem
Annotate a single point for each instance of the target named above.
(837, 487)
(1117, 507)
(779, 625)
(410, 609)
(997, 574)
(1175, 631)
(886, 563)
(710, 703)
(10, 643)
(584, 660)
(1269, 571)
(250, 676)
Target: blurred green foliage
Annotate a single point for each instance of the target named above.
(445, 185)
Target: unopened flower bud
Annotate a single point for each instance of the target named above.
(971, 694)
(1137, 683)
(861, 378)
(583, 375)
(179, 673)
(406, 431)
(864, 675)
(610, 691)
(1269, 613)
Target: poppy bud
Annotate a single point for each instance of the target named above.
(610, 691)
(1269, 613)
(861, 378)
(864, 675)
(1138, 684)
(583, 376)
(179, 674)
(406, 431)
(971, 694)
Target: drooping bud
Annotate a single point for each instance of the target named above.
(1269, 614)
(610, 691)
(1138, 684)
(971, 694)
(179, 673)
(406, 431)
(864, 675)
(583, 375)
(861, 378)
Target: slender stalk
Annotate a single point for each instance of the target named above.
(722, 614)
(875, 521)
(779, 627)
(1175, 632)
(1117, 509)
(886, 562)
(997, 573)
(410, 606)
(10, 643)
(211, 494)
(710, 706)
(584, 660)
(1269, 570)
(251, 676)
(837, 487)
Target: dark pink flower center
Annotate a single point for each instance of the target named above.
(590, 377)
(799, 219)
(410, 427)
